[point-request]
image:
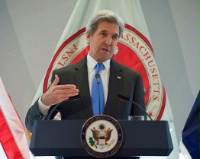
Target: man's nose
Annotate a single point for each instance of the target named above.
(108, 40)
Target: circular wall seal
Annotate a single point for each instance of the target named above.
(101, 136)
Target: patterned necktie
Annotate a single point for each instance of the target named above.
(97, 91)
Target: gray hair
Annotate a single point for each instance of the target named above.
(104, 16)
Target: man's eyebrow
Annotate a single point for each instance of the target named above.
(103, 31)
(115, 34)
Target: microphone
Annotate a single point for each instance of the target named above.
(54, 109)
(97, 76)
(135, 103)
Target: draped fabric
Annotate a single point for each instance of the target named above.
(12, 132)
(190, 133)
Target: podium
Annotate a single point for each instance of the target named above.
(62, 138)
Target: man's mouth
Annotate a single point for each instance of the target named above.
(104, 49)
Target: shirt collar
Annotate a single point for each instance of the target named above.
(91, 63)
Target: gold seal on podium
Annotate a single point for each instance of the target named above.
(101, 136)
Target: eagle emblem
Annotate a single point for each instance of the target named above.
(101, 137)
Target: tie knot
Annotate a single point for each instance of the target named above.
(99, 67)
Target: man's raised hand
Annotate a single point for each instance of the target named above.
(58, 93)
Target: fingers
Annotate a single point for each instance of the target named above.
(58, 93)
(55, 82)
(65, 91)
(66, 87)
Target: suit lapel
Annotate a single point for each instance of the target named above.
(81, 80)
(115, 82)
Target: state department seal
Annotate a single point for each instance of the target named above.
(101, 136)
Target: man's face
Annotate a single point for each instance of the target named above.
(103, 42)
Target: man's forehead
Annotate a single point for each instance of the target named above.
(111, 28)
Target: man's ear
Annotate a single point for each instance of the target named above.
(88, 37)
(116, 50)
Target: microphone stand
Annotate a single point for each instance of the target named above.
(48, 116)
(135, 103)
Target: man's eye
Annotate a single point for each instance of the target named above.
(104, 34)
(115, 37)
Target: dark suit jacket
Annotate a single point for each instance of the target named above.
(123, 81)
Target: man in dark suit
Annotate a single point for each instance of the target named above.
(75, 81)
